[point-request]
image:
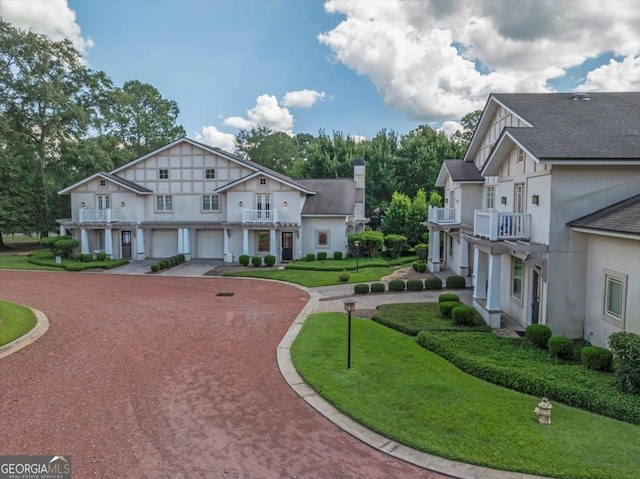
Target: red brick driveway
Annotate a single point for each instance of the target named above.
(157, 377)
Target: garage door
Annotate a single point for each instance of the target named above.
(210, 244)
(164, 243)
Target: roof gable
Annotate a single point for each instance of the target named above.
(621, 217)
(334, 197)
(130, 185)
(459, 171)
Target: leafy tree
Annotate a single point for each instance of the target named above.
(370, 242)
(330, 156)
(273, 149)
(395, 244)
(381, 180)
(435, 199)
(416, 217)
(469, 123)
(397, 214)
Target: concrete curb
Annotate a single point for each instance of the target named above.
(426, 461)
(41, 327)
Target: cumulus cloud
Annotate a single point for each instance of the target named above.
(210, 135)
(450, 128)
(439, 60)
(358, 138)
(302, 98)
(268, 113)
(52, 18)
(614, 76)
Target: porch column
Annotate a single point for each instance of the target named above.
(464, 257)
(63, 231)
(180, 241)
(493, 290)
(272, 243)
(434, 251)
(245, 241)
(186, 243)
(480, 274)
(84, 241)
(140, 243)
(108, 242)
(225, 246)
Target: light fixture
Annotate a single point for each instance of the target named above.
(240, 203)
(349, 307)
(82, 205)
(122, 204)
(284, 204)
(535, 199)
(503, 200)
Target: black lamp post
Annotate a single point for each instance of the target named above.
(356, 243)
(349, 307)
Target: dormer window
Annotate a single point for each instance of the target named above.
(163, 173)
(263, 181)
(103, 183)
(520, 155)
(210, 174)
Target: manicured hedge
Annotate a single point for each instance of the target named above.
(538, 335)
(344, 277)
(377, 287)
(244, 259)
(322, 255)
(446, 307)
(415, 284)
(448, 297)
(269, 260)
(310, 257)
(561, 347)
(256, 261)
(455, 282)
(433, 282)
(466, 316)
(626, 361)
(397, 285)
(168, 262)
(337, 255)
(361, 288)
(598, 359)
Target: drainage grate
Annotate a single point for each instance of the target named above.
(225, 294)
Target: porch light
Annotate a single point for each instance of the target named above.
(240, 203)
(503, 200)
(349, 307)
(284, 204)
(535, 199)
(122, 204)
(82, 205)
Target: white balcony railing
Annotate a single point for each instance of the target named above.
(496, 225)
(99, 216)
(443, 215)
(259, 216)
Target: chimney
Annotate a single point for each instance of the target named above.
(359, 178)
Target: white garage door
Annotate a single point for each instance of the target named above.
(210, 244)
(164, 243)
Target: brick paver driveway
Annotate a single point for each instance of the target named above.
(157, 377)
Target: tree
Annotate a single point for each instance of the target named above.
(469, 123)
(329, 156)
(396, 215)
(416, 217)
(381, 180)
(273, 149)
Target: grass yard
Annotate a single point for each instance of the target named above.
(44, 260)
(415, 397)
(312, 279)
(22, 262)
(15, 321)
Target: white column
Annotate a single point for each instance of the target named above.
(493, 290)
(108, 243)
(140, 243)
(186, 243)
(434, 251)
(84, 241)
(225, 243)
(245, 241)
(63, 231)
(272, 243)
(464, 257)
(480, 273)
(180, 241)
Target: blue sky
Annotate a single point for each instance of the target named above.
(357, 67)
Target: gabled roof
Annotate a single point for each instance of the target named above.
(459, 171)
(622, 217)
(334, 197)
(130, 185)
(266, 172)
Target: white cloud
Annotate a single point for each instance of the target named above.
(358, 138)
(423, 56)
(302, 98)
(614, 76)
(52, 18)
(268, 113)
(449, 128)
(212, 136)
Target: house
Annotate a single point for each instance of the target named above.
(543, 213)
(204, 202)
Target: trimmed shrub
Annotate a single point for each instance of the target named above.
(626, 361)
(433, 282)
(182, 257)
(419, 266)
(269, 260)
(155, 267)
(395, 244)
(344, 277)
(561, 347)
(422, 250)
(599, 359)
(337, 255)
(446, 307)
(256, 261)
(538, 335)
(361, 288)
(466, 316)
(101, 256)
(448, 297)
(311, 257)
(322, 255)
(377, 287)
(86, 257)
(455, 282)
(415, 284)
(244, 259)
(397, 285)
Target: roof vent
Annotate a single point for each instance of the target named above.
(580, 96)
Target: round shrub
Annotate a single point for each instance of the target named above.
(538, 335)
(322, 255)
(561, 347)
(414, 284)
(446, 307)
(448, 297)
(337, 255)
(397, 285)
(182, 257)
(269, 260)
(433, 282)
(593, 357)
(162, 264)
(311, 257)
(377, 287)
(361, 288)
(455, 282)
(344, 277)
(256, 261)
(421, 267)
(155, 267)
(244, 259)
(101, 256)
(466, 316)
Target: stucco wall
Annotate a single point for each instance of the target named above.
(337, 239)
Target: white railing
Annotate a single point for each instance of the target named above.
(99, 216)
(443, 215)
(259, 216)
(496, 225)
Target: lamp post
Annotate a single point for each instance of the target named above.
(349, 307)
(356, 243)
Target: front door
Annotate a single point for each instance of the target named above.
(126, 244)
(287, 246)
(535, 297)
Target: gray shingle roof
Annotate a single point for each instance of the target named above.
(622, 217)
(607, 126)
(463, 170)
(130, 184)
(333, 197)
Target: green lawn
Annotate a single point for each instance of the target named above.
(44, 260)
(15, 321)
(22, 262)
(415, 397)
(312, 279)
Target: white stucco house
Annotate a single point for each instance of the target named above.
(204, 202)
(544, 213)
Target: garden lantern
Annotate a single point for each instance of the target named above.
(349, 307)
(543, 411)
(356, 243)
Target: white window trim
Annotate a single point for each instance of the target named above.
(160, 170)
(209, 210)
(206, 171)
(321, 246)
(610, 316)
(263, 182)
(515, 297)
(520, 155)
(491, 189)
(257, 236)
(164, 202)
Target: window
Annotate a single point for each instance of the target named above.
(103, 182)
(615, 296)
(516, 278)
(322, 239)
(164, 203)
(263, 239)
(491, 197)
(263, 181)
(210, 203)
(520, 155)
(103, 202)
(210, 174)
(163, 173)
(518, 205)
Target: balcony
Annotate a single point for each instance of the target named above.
(99, 216)
(443, 216)
(497, 225)
(259, 216)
